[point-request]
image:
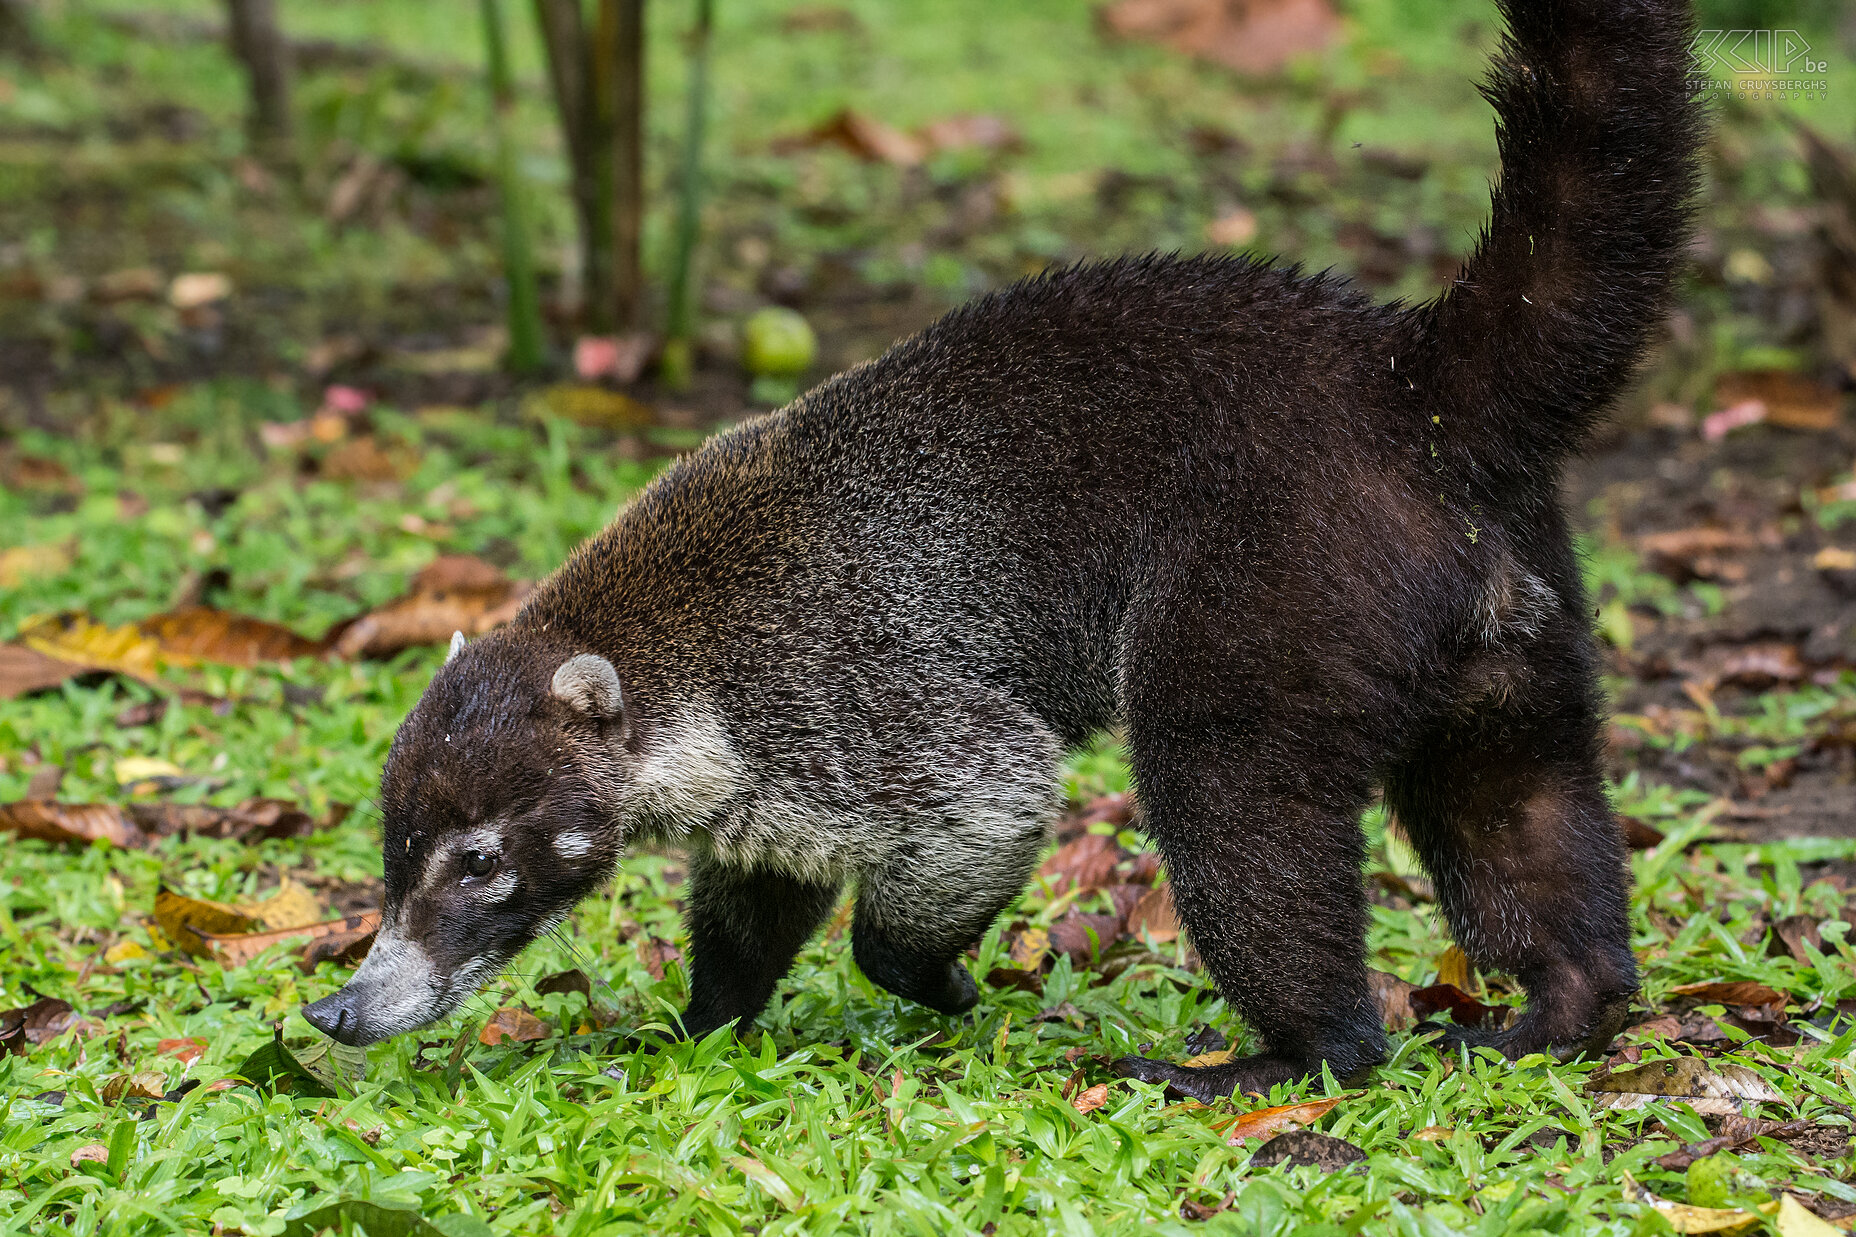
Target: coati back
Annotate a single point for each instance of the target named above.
(1298, 545)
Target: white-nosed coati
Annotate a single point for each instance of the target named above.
(1296, 543)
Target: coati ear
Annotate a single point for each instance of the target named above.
(457, 646)
(588, 682)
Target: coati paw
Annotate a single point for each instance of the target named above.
(1534, 1032)
(957, 995)
(1210, 1083)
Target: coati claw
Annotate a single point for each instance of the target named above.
(1210, 1083)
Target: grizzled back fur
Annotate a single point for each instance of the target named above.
(1297, 545)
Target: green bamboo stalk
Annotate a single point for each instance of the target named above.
(525, 337)
(678, 361)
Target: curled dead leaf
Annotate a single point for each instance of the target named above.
(141, 1085)
(1264, 1122)
(27, 1027)
(90, 1153)
(1393, 996)
(201, 633)
(1081, 864)
(455, 593)
(76, 824)
(237, 949)
(1154, 918)
(1728, 992)
(1251, 36)
(186, 1051)
(189, 922)
(1089, 1100)
(1717, 1092)
(512, 1023)
(24, 671)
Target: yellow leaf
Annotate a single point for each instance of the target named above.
(142, 768)
(1221, 1057)
(184, 919)
(1686, 1219)
(123, 951)
(20, 561)
(291, 905)
(74, 638)
(1432, 1134)
(1030, 949)
(1456, 968)
(1830, 558)
(1797, 1220)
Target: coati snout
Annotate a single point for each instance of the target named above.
(498, 820)
(1298, 547)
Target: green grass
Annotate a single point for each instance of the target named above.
(843, 1109)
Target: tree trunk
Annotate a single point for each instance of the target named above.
(261, 48)
(16, 37)
(628, 164)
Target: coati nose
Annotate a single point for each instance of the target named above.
(336, 1017)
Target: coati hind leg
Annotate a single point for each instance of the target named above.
(746, 925)
(929, 904)
(1507, 811)
(1264, 858)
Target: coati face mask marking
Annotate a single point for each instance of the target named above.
(498, 799)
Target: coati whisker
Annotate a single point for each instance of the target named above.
(1293, 544)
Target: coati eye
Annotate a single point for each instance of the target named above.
(479, 863)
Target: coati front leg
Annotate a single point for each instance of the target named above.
(746, 926)
(930, 903)
(1266, 880)
(1506, 809)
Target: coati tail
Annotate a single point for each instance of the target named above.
(1597, 128)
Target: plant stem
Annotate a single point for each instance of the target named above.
(525, 343)
(678, 357)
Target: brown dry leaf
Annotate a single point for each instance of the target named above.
(512, 1023)
(1686, 1219)
(196, 289)
(1030, 949)
(1084, 937)
(1731, 992)
(1464, 1009)
(190, 922)
(70, 823)
(1638, 835)
(1791, 934)
(134, 283)
(1790, 400)
(1393, 996)
(656, 955)
(869, 139)
(1116, 810)
(1088, 1101)
(1759, 666)
(90, 1153)
(364, 459)
(1719, 1092)
(250, 821)
(19, 471)
(457, 592)
(237, 949)
(24, 670)
(1251, 36)
(27, 1027)
(575, 980)
(1083, 863)
(1264, 1122)
(141, 1085)
(1234, 229)
(20, 562)
(969, 132)
(345, 946)
(200, 633)
(74, 638)
(1154, 918)
(1455, 969)
(186, 1051)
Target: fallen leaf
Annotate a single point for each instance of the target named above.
(75, 638)
(1084, 863)
(1030, 949)
(38, 1023)
(1732, 992)
(1686, 1219)
(1393, 996)
(24, 671)
(1432, 1134)
(1455, 968)
(1760, 666)
(1117, 810)
(364, 459)
(90, 1153)
(1220, 1056)
(186, 1051)
(1638, 835)
(455, 593)
(1790, 400)
(1154, 918)
(140, 1085)
(969, 132)
(132, 770)
(135, 283)
(197, 288)
(1088, 1101)
(239, 948)
(1736, 1131)
(123, 951)
(345, 946)
(566, 981)
(512, 1023)
(188, 922)
(595, 406)
(200, 633)
(1464, 1009)
(656, 955)
(1797, 1220)
(273, 1067)
(1709, 1092)
(1307, 1148)
(1834, 558)
(291, 905)
(1251, 36)
(21, 562)
(1083, 937)
(869, 139)
(1234, 229)
(1791, 934)
(1263, 1122)
(70, 823)
(1717, 425)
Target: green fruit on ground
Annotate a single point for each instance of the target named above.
(778, 341)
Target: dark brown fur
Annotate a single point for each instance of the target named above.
(1297, 544)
